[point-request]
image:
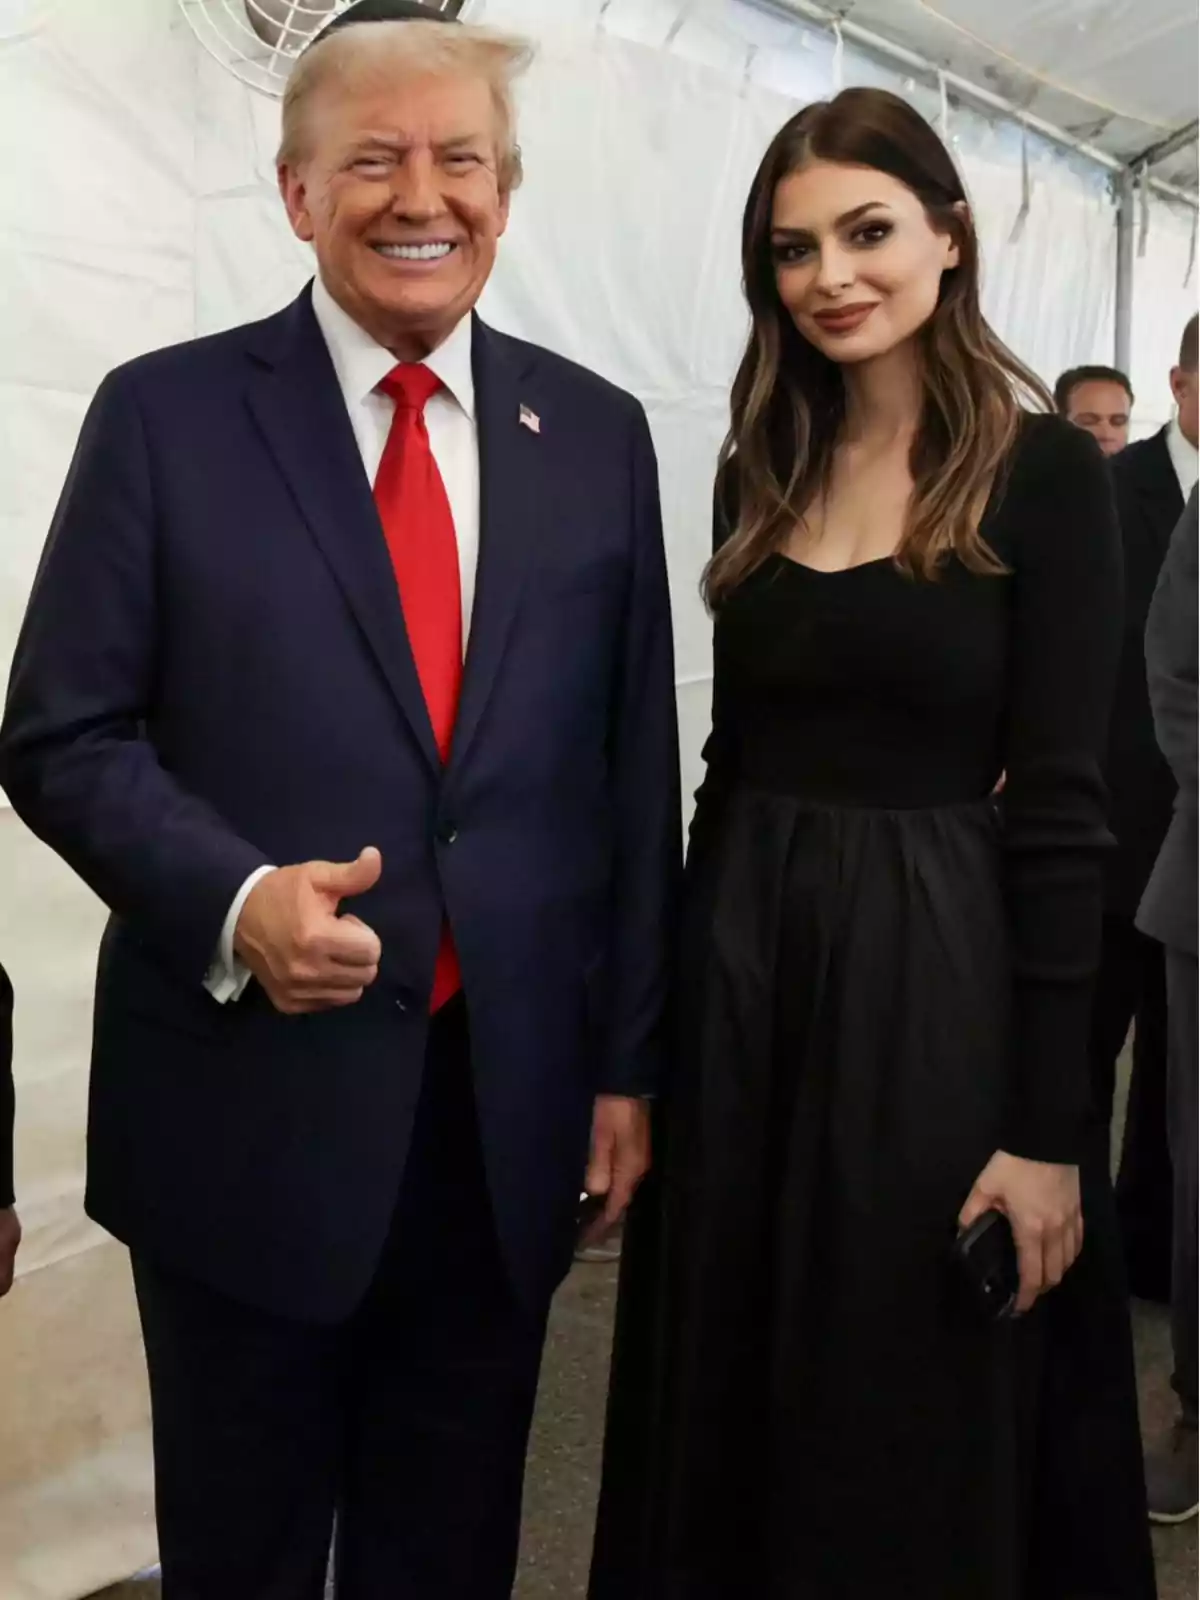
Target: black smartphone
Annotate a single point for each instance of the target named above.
(986, 1257)
(590, 1208)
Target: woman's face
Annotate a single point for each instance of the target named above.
(857, 263)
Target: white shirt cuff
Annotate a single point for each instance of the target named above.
(228, 977)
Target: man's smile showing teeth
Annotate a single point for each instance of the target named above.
(414, 252)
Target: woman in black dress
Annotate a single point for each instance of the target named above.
(886, 970)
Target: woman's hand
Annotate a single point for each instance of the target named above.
(1042, 1205)
(10, 1238)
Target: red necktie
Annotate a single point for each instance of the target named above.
(421, 541)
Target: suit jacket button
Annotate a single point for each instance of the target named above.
(448, 833)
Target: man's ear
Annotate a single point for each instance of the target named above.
(294, 193)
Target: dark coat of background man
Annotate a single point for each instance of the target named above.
(228, 714)
(1100, 401)
(10, 1228)
(1168, 914)
(1152, 481)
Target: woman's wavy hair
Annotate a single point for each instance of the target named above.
(788, 404)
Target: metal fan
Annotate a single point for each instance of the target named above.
(258, 40)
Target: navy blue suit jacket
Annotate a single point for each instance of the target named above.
(214, 674)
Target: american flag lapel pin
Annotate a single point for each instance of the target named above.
(531, 420)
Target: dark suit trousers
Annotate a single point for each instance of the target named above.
(1131, 987)
(1183, 1069)
(409, 1422)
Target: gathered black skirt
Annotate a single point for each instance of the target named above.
(805, 1405)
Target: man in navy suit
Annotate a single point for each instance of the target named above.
(390, 932)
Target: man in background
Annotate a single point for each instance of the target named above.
(1168, 914)
(10, 1228)
(1099, 400)
(362, 608)
(1152, 480)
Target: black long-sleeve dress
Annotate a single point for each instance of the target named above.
(6, 1092)
(886, 978)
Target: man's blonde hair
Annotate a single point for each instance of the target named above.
(370, 51)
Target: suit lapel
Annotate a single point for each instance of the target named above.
(296, 401)
(511, 472)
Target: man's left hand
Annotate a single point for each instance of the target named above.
(10, 1238)
(620, 1158)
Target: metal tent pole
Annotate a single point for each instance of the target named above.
(1123, 306)
(1167, 147)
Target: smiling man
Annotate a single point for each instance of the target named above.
(347, 682)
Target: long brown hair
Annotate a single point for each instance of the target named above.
(788, 404)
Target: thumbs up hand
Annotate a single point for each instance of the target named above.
(289, 934)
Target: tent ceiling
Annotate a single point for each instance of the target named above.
(1120, 74)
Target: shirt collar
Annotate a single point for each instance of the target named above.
(361, 364)
(1184, 457)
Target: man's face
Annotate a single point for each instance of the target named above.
(399, 196)
(1101, 407)
(1185, 386)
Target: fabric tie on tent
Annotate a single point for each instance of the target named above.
(748, 70)
(673, 32)
(1143, 193)
(839, 59)
(1022, 217)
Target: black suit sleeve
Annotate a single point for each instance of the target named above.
(1140, 785)
(1171, 637)
(1064, 646)
(720, 750)
(7, 1097)
(75, 758)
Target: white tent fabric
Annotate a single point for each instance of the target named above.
(1120, 73)
(140, 210)
(1165, 296)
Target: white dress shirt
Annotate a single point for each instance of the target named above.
(360, 365)
(1184, 457)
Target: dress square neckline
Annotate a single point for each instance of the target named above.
(834, 572)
